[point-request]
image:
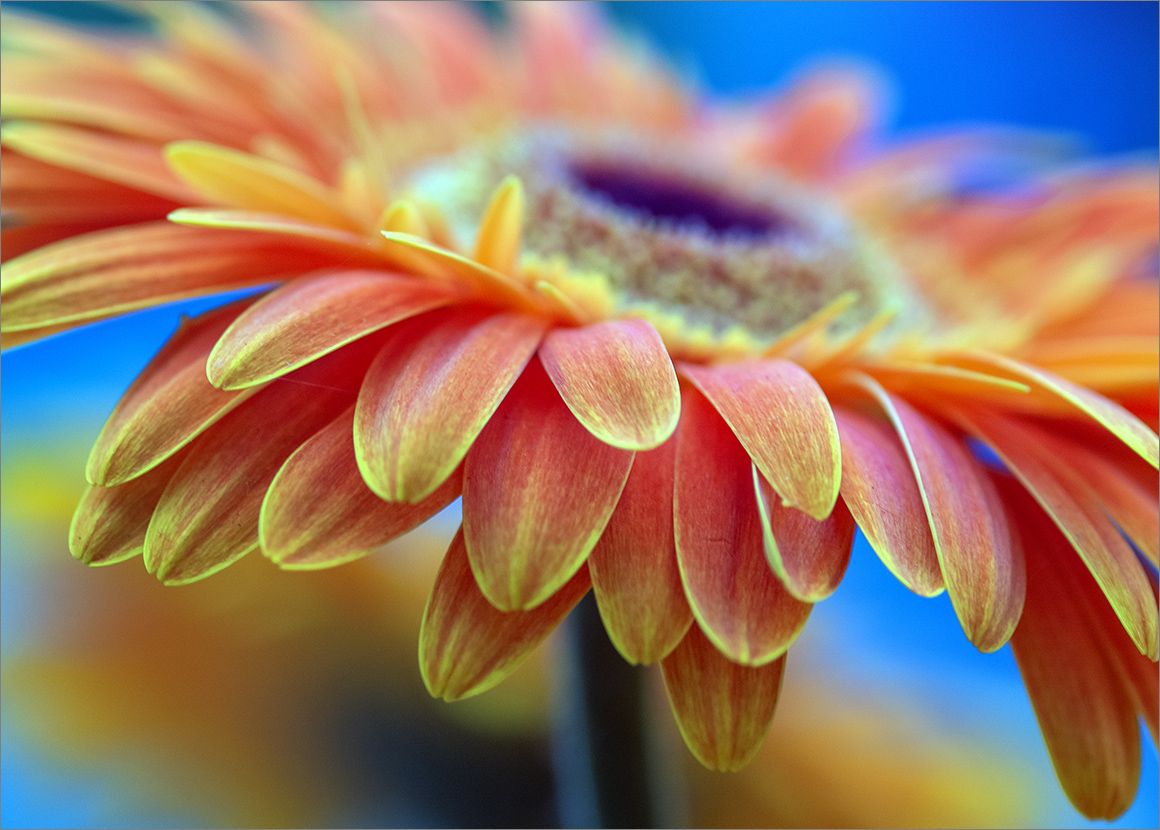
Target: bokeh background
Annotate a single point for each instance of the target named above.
(260, 698)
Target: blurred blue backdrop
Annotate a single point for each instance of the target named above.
(1085, 69)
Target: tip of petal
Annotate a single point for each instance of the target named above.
(501, 230)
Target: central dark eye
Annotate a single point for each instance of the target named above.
(678, 202)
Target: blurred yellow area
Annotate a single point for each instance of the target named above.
(266, 698)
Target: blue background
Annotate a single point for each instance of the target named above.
(1085, 69)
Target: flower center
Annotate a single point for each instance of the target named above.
(673, 235)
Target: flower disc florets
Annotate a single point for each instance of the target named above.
(676, 234)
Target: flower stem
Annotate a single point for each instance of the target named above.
(604, 754)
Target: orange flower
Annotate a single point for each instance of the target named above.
(667, 352)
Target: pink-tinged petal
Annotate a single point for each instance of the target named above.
(312, 316)
(634, 565)
(617, 379)
(538, 490)
(982, 570)
(808, 556)
(130, 162)
(168, 405)
(110, 522)
(782, 418)
(318, 512)
(467, 645)
(813, 126)
(241, 180)
(723, 709)
(429, 393)
(208, 514)
(1113, 417)
(879, 488)
(1042, 462)
(1084, 710)
(115, 271)
(740, 605)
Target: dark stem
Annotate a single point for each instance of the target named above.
(601, 743)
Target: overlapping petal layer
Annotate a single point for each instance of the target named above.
(466, 644)
(1062, 394)
(108, 272)
(128, 162)
(879, 488)
(723, 708)
(318, 511)
(1041, 461)
(312, 316)
(168, 405)
(634, 568)
(784, 421)
(430, 392)
(208, 515)
(247, 182)
(808, 556)
(738, 602)
(982, 570)
(1085, 709)
(617, 379)
(538, 490)
(109, 524)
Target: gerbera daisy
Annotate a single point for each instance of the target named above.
(667, 353)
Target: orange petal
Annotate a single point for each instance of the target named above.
(318, 512)
(466, 645)
(879, 488)
(248, 182)
(617, 379)
(501, 228)
(430, 392)
(782, 418)
(1132, 505)
(208, 514)
(136, 164)
(312, 316)
(1042, 462)
(479, 279)
(114, 271)
(808, 556)
(269, 222)
(38, 193)
(110, 522)
(634, 565)
(937, 380)
(1126, 484)
(15, 242)
(982, 571)
(1117, 420)
(168, 405)
(723, 709)
(738, 602)
(538, 490)
(1084, 710)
